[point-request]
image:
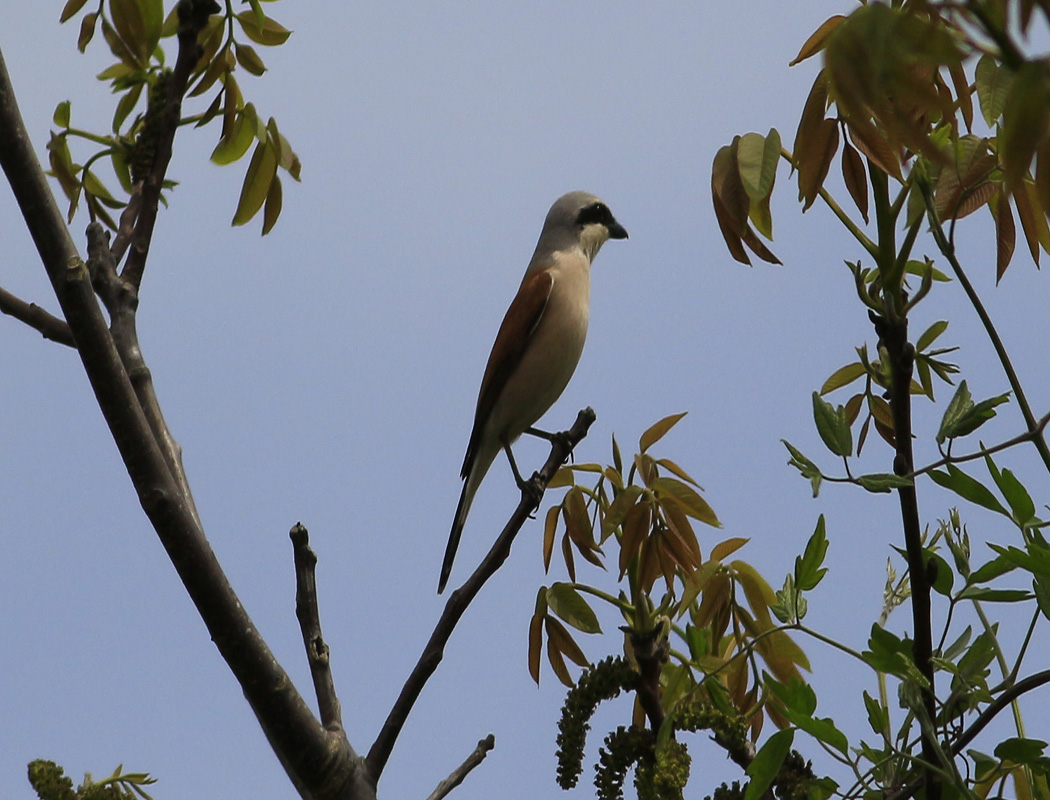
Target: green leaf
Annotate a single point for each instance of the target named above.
(808, 567)
(70, 9)
(805, 466)
(796, 695)
(968, 488)
(878, 717)
(1021, 751)
(992, 570)
(757, 158)
(87, 31)
(269, 32)
(993, 86)
(126, 105)
(249, 59)
(843, 377)
(832, 426)
(960, 404)
(767, 763)
(272, 210)
(944, 577)
(61, 115)
(690, 501)
(256, 187)
(994, 595)
(656, 432)
(1015, 493)
(883, 481)
(930, 335)
(232, 147)
(569, 605)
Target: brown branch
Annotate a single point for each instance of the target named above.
(320, 764)
(309, 617)
(49, 326)
(193, 16)
(457, 776)
(562, 445)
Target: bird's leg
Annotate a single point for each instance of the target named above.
(540, 434)
(522, 483)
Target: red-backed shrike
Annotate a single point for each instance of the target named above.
(538, 344)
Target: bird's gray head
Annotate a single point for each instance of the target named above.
(579, 219)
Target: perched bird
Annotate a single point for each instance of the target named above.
(538, 344)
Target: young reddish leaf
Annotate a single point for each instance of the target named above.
(535, 643)
(752, 241)
(635, 530)
(559, 635)
(670, 466)
(556, 661)
(657, 431)
(1026, 121)
(691, 502)
(723, 550)
(962, 93)
(730, 200)
(1033, 225)
(1005, 235)
(550, 529)
(815, 43)
(261, 172)
(852, 409)
(875, 147)
(855, 177)
(760, 595)
(577, 520)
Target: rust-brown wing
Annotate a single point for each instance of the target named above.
(517, 328)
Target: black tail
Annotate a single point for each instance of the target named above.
(453, 537)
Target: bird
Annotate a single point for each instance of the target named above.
(538, 344)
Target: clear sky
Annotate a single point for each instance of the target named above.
(328, 374)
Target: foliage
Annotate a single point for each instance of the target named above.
(894, 103)
(49, 781)
(135, 32)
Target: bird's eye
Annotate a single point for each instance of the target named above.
(596, 212)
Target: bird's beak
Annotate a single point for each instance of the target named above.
(616, 230)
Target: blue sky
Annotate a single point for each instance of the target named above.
(328, 374)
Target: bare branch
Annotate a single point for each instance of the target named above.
(309, 617)
(457, 776)
(50, 326)
(320, 764)
(562, 445)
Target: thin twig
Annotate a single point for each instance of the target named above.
(49, 326)
(948, 251)
(457, 776)
(561, 448)
(306, 611)
(1021, 438)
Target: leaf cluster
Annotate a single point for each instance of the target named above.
(136, 32)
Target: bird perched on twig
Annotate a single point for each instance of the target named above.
(538, 344)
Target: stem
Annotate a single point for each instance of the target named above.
(843, 217)
(948, 251)
(892, 330)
